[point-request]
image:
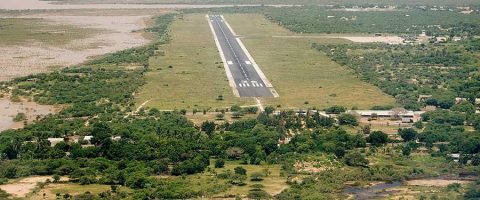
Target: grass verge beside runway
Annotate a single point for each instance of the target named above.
(188, 72)
(302, 76)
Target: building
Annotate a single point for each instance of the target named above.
(405, 115)
(54, 141)
(423, 97)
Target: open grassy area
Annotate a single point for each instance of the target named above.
(73, 189)
(188, 72)
(301, 75)
(15, 31)
(273, 184)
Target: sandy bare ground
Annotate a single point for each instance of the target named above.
(9, 109)
(45, 5)
(116, 33)
(24, 186)
(380, 39)
(435, 182)
(358, 39)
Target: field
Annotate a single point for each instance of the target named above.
(272, 184)
(73, 189)
(302, 76)
(190, 73)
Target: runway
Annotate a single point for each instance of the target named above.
(245, 77)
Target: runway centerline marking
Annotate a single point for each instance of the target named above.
(231, 48)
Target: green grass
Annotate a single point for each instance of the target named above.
(72, 189)
(273, 184)
(196, 76)
(299, 73)
(25, 31)
(212, 186)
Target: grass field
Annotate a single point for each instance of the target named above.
(272, 184)
(190, 74)
(73, 189)
(15, 31)
(301, 75)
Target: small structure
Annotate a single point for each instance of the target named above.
(423, 97)
(441, 39)
(54, 141)
(455, 156)
(405, 115)
(87, 138)
(116, 138)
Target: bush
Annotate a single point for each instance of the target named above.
(219, 163)
(347, 119)
(256, 176)
(240, 171)
(335, 110)
(20, 117)
(355, 159)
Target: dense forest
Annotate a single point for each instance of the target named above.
(402, 21)
(407, 71)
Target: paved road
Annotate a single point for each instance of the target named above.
(247, 80)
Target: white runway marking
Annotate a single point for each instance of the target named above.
(230, 62)
(254, 83)
(231, 48)
(261, 85)
(248, 62)
(241, 85)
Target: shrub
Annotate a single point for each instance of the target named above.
(347, 119)
(219, 163)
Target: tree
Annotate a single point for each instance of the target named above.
(234, 152)
(208, 127)
(56, 178)
(235, 108)
(347, 119)
(377, 138)
(269, 110)
(240, 170)
(406, 150)
(407, 134)
(335, 110)
(355, 159)
(219, 163)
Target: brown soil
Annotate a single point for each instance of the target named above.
(9, 109)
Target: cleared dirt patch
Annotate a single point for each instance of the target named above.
(435, 182)
(24, 186)
(9, 109)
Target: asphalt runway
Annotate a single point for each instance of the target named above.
(246, 76)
